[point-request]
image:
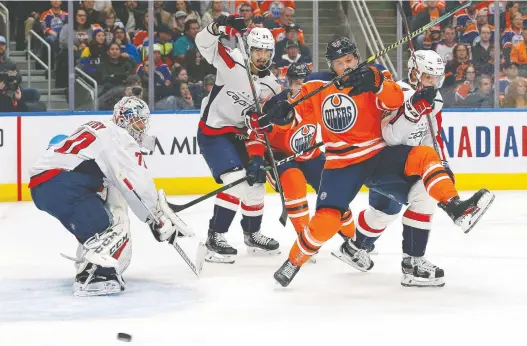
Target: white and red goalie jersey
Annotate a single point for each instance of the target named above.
(397, 129)
(116, 154)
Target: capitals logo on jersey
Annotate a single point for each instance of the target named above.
(302, 138)
(339, 112)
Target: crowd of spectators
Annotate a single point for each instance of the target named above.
(466, 43)
(111, 45)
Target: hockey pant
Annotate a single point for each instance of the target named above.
(73, 199)
(294, 177)
(383, 210)
(227, 158)
(338, 187)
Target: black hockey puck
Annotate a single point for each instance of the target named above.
(124, 337)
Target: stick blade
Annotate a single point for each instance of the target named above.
(175, 207)
(200, 257)
(283, 217)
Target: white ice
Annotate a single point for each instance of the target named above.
(328, 303)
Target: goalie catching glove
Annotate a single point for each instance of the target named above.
(229, 25)
(168, 224)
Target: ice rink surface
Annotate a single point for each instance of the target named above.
(329, 303)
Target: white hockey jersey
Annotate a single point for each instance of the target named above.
(231, 97)
(114, 151)
(397, 129)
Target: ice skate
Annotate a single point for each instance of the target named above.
(371, 249)
(467, 213)
(91, 282)
(258, 243)
(286, 273)
(355, 257)
(419, 272)
(218, 250)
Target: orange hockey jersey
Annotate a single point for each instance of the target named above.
(350, 125)
(289, 139)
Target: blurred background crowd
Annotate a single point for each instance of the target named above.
(111, 45)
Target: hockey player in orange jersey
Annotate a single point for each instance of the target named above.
(350, 114)
(287, 140)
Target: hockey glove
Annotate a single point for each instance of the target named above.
(256, 171)
(229, 25)
(420, 104)
(169, 224)
(366, 79)
(258, 122)
(281, 114)
(449, 171)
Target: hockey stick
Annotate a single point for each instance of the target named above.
(372, 58)
(177, 208)
(241, 44)
(412, 56)
(202, 250)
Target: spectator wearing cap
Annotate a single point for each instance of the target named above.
(186, 42)
(424, 17)
(197, 66)
(292, 54)
(178, 27)
(471, 35)
(161, 68)
(432, 38)
(215, 10)
(208, 82)
(128, 50)
(130, 16)
(445, 47)
(191, 14)
(274, 9)
(280, 33)
(510, 75)
(161, 15)
(163, 39)
(92, 55)
(481, 50)
(292, 33)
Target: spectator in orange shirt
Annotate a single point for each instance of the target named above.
(273, 9)
(519, 54)
(419, 5)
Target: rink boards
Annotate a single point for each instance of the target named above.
(486, 148)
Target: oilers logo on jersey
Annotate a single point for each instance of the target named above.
(302, 138)
(339, 112)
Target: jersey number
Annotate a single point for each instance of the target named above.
(74, 145)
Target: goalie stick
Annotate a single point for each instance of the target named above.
(177, 208)
(202, 250)
(241, 45)
(405, 39)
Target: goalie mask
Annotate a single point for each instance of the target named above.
(260, 45)
(133, 115)
(428, 69)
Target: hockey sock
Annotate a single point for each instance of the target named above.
(225, 208)
(371, 223)
(252, 217)
(348, 225)
(416, 230)
(324, 225)
(425, 162)
(295, 190)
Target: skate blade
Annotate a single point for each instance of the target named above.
(200, 257)
(483, 204)
(347, 260)
(213, 257)
(257, 252)
(412, 281)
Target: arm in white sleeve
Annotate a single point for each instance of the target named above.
(397, 128)
(212, 50)
(121, 159)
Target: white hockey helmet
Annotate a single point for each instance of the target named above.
(260, 38)
(426, 61)
(133, 115)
